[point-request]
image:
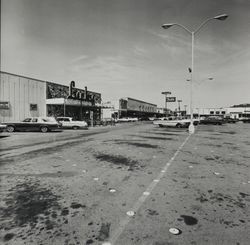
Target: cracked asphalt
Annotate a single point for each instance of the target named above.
(126, 184)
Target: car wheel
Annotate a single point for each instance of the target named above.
(75, 127)
(44, 129)
(10, 129)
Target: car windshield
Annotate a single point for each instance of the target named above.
(49, 119)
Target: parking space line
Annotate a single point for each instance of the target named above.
(121, 227)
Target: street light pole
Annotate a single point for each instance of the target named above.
(179, 105)
(166, 26)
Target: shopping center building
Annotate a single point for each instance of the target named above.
(22, 97)
(129, 107)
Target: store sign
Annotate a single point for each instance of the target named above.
(170, 99)
(71, 92)
(4, 105)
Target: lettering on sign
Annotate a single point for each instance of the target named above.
(170, 99)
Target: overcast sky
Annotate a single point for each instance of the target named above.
(118, 48)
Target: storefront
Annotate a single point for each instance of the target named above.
(22, 97)
(73, 102)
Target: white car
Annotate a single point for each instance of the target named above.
(127, 119)
(68, 122)
(175, 122)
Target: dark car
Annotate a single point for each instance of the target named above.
(246, 120)
(212, 120)
(230, 120)
(43, 124)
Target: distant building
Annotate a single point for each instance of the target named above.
(129, 107)
(236, 112)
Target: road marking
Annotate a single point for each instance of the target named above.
(143, 197)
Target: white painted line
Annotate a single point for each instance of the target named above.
(123, 223)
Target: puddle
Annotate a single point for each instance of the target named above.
(189, 220)
(152, 212)
(104, 232)
(144, 145)
(26, 202)
(117, 160)
(156, 138)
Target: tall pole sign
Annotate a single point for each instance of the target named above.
(166, 99)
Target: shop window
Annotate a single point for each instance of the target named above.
(33, 107)
(211, 112)
(223, 112)
(217, 112)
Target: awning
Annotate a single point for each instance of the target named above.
(69, 102)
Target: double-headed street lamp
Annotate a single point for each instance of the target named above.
(166, 26)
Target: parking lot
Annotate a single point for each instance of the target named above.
(126, 184)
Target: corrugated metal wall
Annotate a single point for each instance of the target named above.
(20, 92)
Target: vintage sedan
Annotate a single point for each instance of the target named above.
(214, 120)
(43, 124)
(68, 122)
(176, 122)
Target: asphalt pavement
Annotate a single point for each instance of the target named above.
(126, 184)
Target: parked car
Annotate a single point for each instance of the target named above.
(127, 119)
(245, 120)
(212, 120)
(68, 122)
(43, 124)
(175, 122)
(2, 127)
(230, 120)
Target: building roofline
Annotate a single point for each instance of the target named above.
(31, 78)
(139, 100)
(43, 81)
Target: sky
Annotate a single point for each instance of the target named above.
(119, 49)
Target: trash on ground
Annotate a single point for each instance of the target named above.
(130, 213)
(216, 173)
(190, 166)
(74, 165)
(175, 231)
(112, 190)
(146, 193)
(156, 180)
(96, 179)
